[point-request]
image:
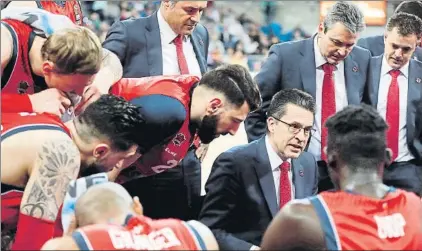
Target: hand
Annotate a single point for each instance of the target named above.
(255, 248)
(51, 101)
(72, 226)
(91, 94)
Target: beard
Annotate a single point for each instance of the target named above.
(207, 132)
(91, 169)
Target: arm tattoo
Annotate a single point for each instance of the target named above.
(58, 163)
(112, 62)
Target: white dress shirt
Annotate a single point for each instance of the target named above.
(170, 63)
(340, 94)
(385, 81)
(275, 162)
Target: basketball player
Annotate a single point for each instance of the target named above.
(40, 156)
(107, 218)
(364, 214)
(70, 8)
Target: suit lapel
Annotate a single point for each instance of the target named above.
(375, 77)
(298, 174)
(351, 73)
(307, 67)
(413, 96)
(198, 47)
(153, 43)
(265, 176)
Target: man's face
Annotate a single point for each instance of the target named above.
(398, 49)
(183, 16)
(291, 132)
(225, 120)
(70, 83)
(335, 43)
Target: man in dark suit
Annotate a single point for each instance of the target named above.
(328, 66)
(248, 184)
(169, 42)
(395, 89)
(375, 44)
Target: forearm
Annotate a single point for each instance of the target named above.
(111, 71)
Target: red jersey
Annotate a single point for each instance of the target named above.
(69, 8)
(168, 156)
(11, 124)
(140, 233)
(355, 222)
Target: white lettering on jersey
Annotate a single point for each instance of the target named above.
(390, 226)
(158, 240)
(161, 168)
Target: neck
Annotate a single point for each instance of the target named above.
(197, 104)
(35, 58)
(368, 183)
(83, 149)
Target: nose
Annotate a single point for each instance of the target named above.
(195, 17)
(234, 129)
(301, 136)
(398, 53)
(342, 51)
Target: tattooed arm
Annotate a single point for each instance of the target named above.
(111, 71)
(56, 164)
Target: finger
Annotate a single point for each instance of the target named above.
(72, 225)
(65, 102)
(62, 110)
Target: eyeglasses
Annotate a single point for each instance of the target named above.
(296, 128)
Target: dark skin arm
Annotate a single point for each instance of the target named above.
(295, 227)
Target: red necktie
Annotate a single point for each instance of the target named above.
(285, 188)
(328, 103)
(393, 114)
(183, 65)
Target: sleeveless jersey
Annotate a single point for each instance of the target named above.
(355, 222)
(17, 76)
(11, 124)
(140, 233)
(168, 156)
(71, 9)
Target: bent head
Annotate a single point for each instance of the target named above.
(290, 121)
(107, 133)
(105, 203)
(230, 94)
(182, 16)
(402, 35)
(356, 142)
(71, 58)
(339, 31)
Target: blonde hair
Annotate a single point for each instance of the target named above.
(75, 50)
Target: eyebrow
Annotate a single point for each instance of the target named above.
(340, 42)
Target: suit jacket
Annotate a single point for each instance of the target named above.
(414, 101)
(137, 43)
(375, 44)
(241, 198)
(292, 65)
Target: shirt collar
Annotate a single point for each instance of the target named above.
(386, 68)
(167, 33)
(275, 160)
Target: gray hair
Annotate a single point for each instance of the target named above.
(346, 13)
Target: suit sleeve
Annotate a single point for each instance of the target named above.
(117, 39)
(222, 189)
(268, 80)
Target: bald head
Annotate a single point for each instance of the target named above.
(103, 203)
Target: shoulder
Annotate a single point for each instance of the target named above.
(62, 243)
(203, 233)
(306, 157)
(244, 152)
(415, 62)
(360, 53)
(201, 30)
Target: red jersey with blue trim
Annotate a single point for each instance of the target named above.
(15, 123)
(140, 233)
(168, 156)
(355, 222)
(70, 8)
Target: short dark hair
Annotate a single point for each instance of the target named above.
(111, 117)
(358, 135)
(284, 97)
(410, 7)
(406, 24)
(236, 83)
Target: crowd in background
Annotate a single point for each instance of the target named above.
(235, 38)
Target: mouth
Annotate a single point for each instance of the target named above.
(296, 147)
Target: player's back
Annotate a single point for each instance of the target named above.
(355, 222)
(140, 233)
